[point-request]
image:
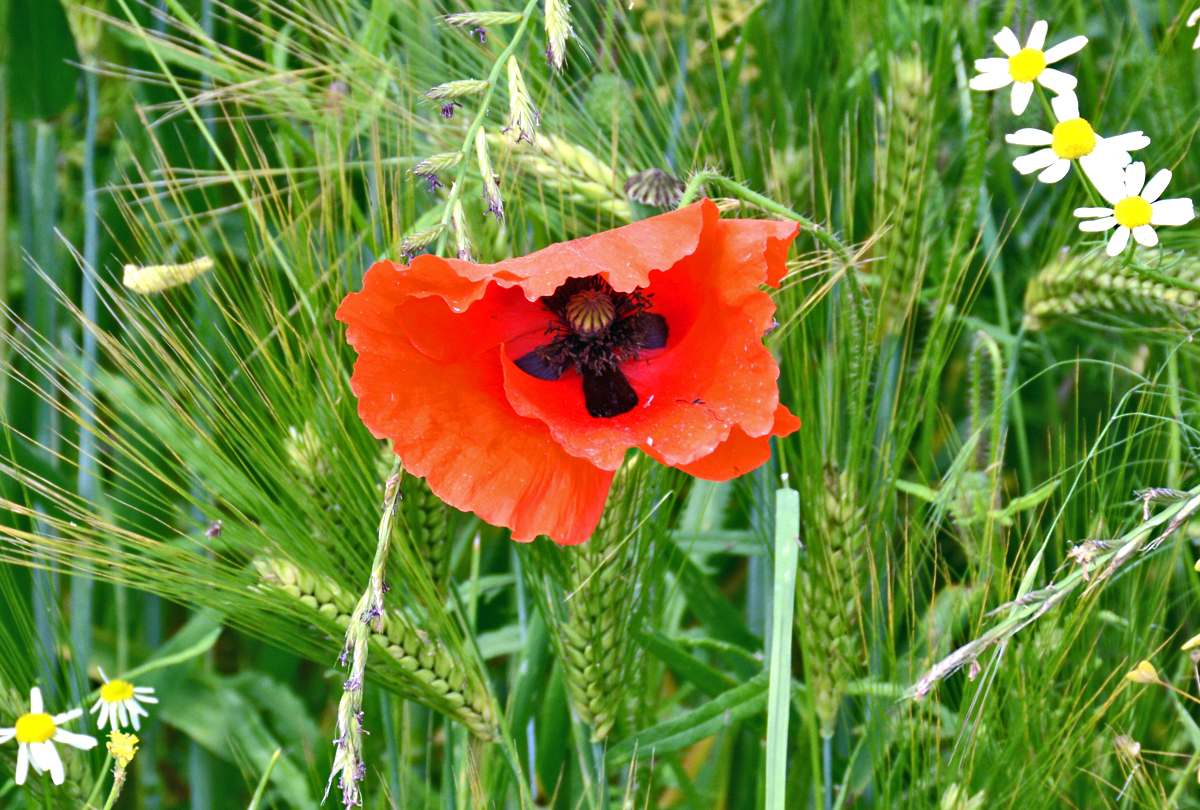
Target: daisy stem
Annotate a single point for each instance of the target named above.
(95, 794)
(819, 232)
(45, 788)
(477, 122)
(1041, 94)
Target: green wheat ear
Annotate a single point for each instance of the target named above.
(437, 681)
(831, 585)
(904, 190)
(593, 596)
(1092, 284)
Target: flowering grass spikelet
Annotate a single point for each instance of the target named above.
(1021, 67)
(458, 229)
(156, 278)
(1136, 209)
(36, 732)
(523, 117)
(515, 389)
(558, 31)
(491, 191)
(1144, 672)
(1073, 138)
(417, 241)
(483, 19)
(457, 89)
(122, 702)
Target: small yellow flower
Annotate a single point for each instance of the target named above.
(1143, 673)
(1192, 643)
(122, 746)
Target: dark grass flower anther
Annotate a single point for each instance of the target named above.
(448, 109)
(480, 32)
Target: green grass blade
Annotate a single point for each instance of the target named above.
(787, 555)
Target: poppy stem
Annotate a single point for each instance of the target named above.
(477, 121)
(819, 232)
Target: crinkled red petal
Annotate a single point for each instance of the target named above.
(451, 423)
(739, 454)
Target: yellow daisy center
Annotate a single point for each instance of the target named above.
(1026, 65)
(115, 691)
(1133, 212)
(35, 728)
(1073, 139)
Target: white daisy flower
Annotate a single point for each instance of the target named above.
(36, 734)
(1024, 66)
(122, 701)
(1136, 210)
(1192, 20)
(1074, 139)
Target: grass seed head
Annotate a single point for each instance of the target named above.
(156, 278)
(457, 89)
(523, 117)
(558, 31)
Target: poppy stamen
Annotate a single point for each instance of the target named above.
(597, 330)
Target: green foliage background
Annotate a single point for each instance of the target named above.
(982, 392)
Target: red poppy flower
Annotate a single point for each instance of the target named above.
(516, 388)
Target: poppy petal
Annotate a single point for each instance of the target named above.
(501, 315)
(451, 423)
(624, 256)
(739, 454)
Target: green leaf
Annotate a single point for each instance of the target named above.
(686, 666)
(787, 555)
(732, 707)
(41, 55)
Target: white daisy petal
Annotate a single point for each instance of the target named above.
(46, 755)
(1030, 137)
(1057, 171)
(96, 708)
(1093, 212)
(993, 64)
(1035, 161)
(1097, 225)
(1157, 185)
(1064, 49)
(1119, 240)
(1057, 81)
(144, 690)
(104, 712)
(136, 708)
(1194, 18)
(83, 742)
(1105, 171)
(1021, 93)
(22, 764)
(1145, 235)
(1037, 35)
(35, 701)
(1066, 107)
(67, 717)
(1007, 42)
(1172, 212)
(990, 81)
(137, 724)
(1135, 178)
(1129, 141)
(122, 716)
(7, 734)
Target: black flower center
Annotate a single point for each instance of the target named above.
(596, 330)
